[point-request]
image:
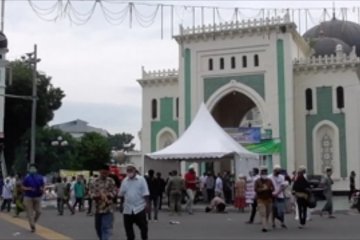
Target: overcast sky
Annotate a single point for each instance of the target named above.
(97, 64)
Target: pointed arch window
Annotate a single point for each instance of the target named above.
(233, 62)
(309, 99)
(256, 60)
(244, 61)
(340, 97)
(222, 63)
(154, 110)
(211, 64)
(177, 107)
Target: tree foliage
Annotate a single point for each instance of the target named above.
(18, 111)
(49, 157)
(94, 151)
(121, 141)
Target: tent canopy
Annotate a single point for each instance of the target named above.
(203, 140)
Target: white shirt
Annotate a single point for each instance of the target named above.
(218, 185)
(134, 190)
(7, 190)
(279, 182)
(203, 181)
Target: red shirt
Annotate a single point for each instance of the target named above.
(190, 181)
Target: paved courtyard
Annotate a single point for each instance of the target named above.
(200, 226)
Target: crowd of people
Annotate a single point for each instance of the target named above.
(140, 198)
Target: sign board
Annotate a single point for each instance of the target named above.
(245, 135)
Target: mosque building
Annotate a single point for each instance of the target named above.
(300, 92)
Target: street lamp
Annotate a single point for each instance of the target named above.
(59, 142)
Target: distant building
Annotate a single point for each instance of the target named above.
(78, 128)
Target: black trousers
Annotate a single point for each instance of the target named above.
(228, 196)
(6, 204)
(253, 210)
(138, 219)
(302, 207)
(160, 200)
(78, 201)
(210, 194)
(89, 211)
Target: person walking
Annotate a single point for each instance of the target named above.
(210, 186)
(251, 193)
(190, 186)
(219, 186)
(79, 191)
(301, 189)
(33, 187)
(264, 189)
(103, 192)
(240, 190)
(327, 183)
(279, 196)
(202, 180)
(62, 191)
(174, 189)
(352, 185)
(7, 195)
(162, 188)
(154, 186)
(89, 187)
(134, 200)
(18, 196)
(227, 187)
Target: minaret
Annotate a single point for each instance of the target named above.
(3, 63)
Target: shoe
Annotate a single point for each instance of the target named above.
(273, 226)
(32, 228)
(301, 227)
(264, 230)
(283, 226)
(249, 222)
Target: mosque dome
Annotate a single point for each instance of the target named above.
(326, 46)
(3, 41)
(344, 32)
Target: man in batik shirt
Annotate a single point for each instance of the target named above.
(103, 193)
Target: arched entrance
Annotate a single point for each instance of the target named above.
(234, 110)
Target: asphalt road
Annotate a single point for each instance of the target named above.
(200, 226)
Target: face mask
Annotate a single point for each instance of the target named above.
(32, 170)
(131, 174)
(263, 176)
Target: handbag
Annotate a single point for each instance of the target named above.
(311, 201)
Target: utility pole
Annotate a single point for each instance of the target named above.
(33, 60)
(2, 15)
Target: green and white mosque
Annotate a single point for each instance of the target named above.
(302, 91)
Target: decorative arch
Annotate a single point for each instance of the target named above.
(165, 137)
(326, 147)
(232, 86)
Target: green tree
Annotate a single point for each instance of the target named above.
(49, 158)
(94, 151)
(117, 141)
(18, 111)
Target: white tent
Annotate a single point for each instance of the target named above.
(205, 140)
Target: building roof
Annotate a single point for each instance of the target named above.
(345, 31)
(79, 126)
